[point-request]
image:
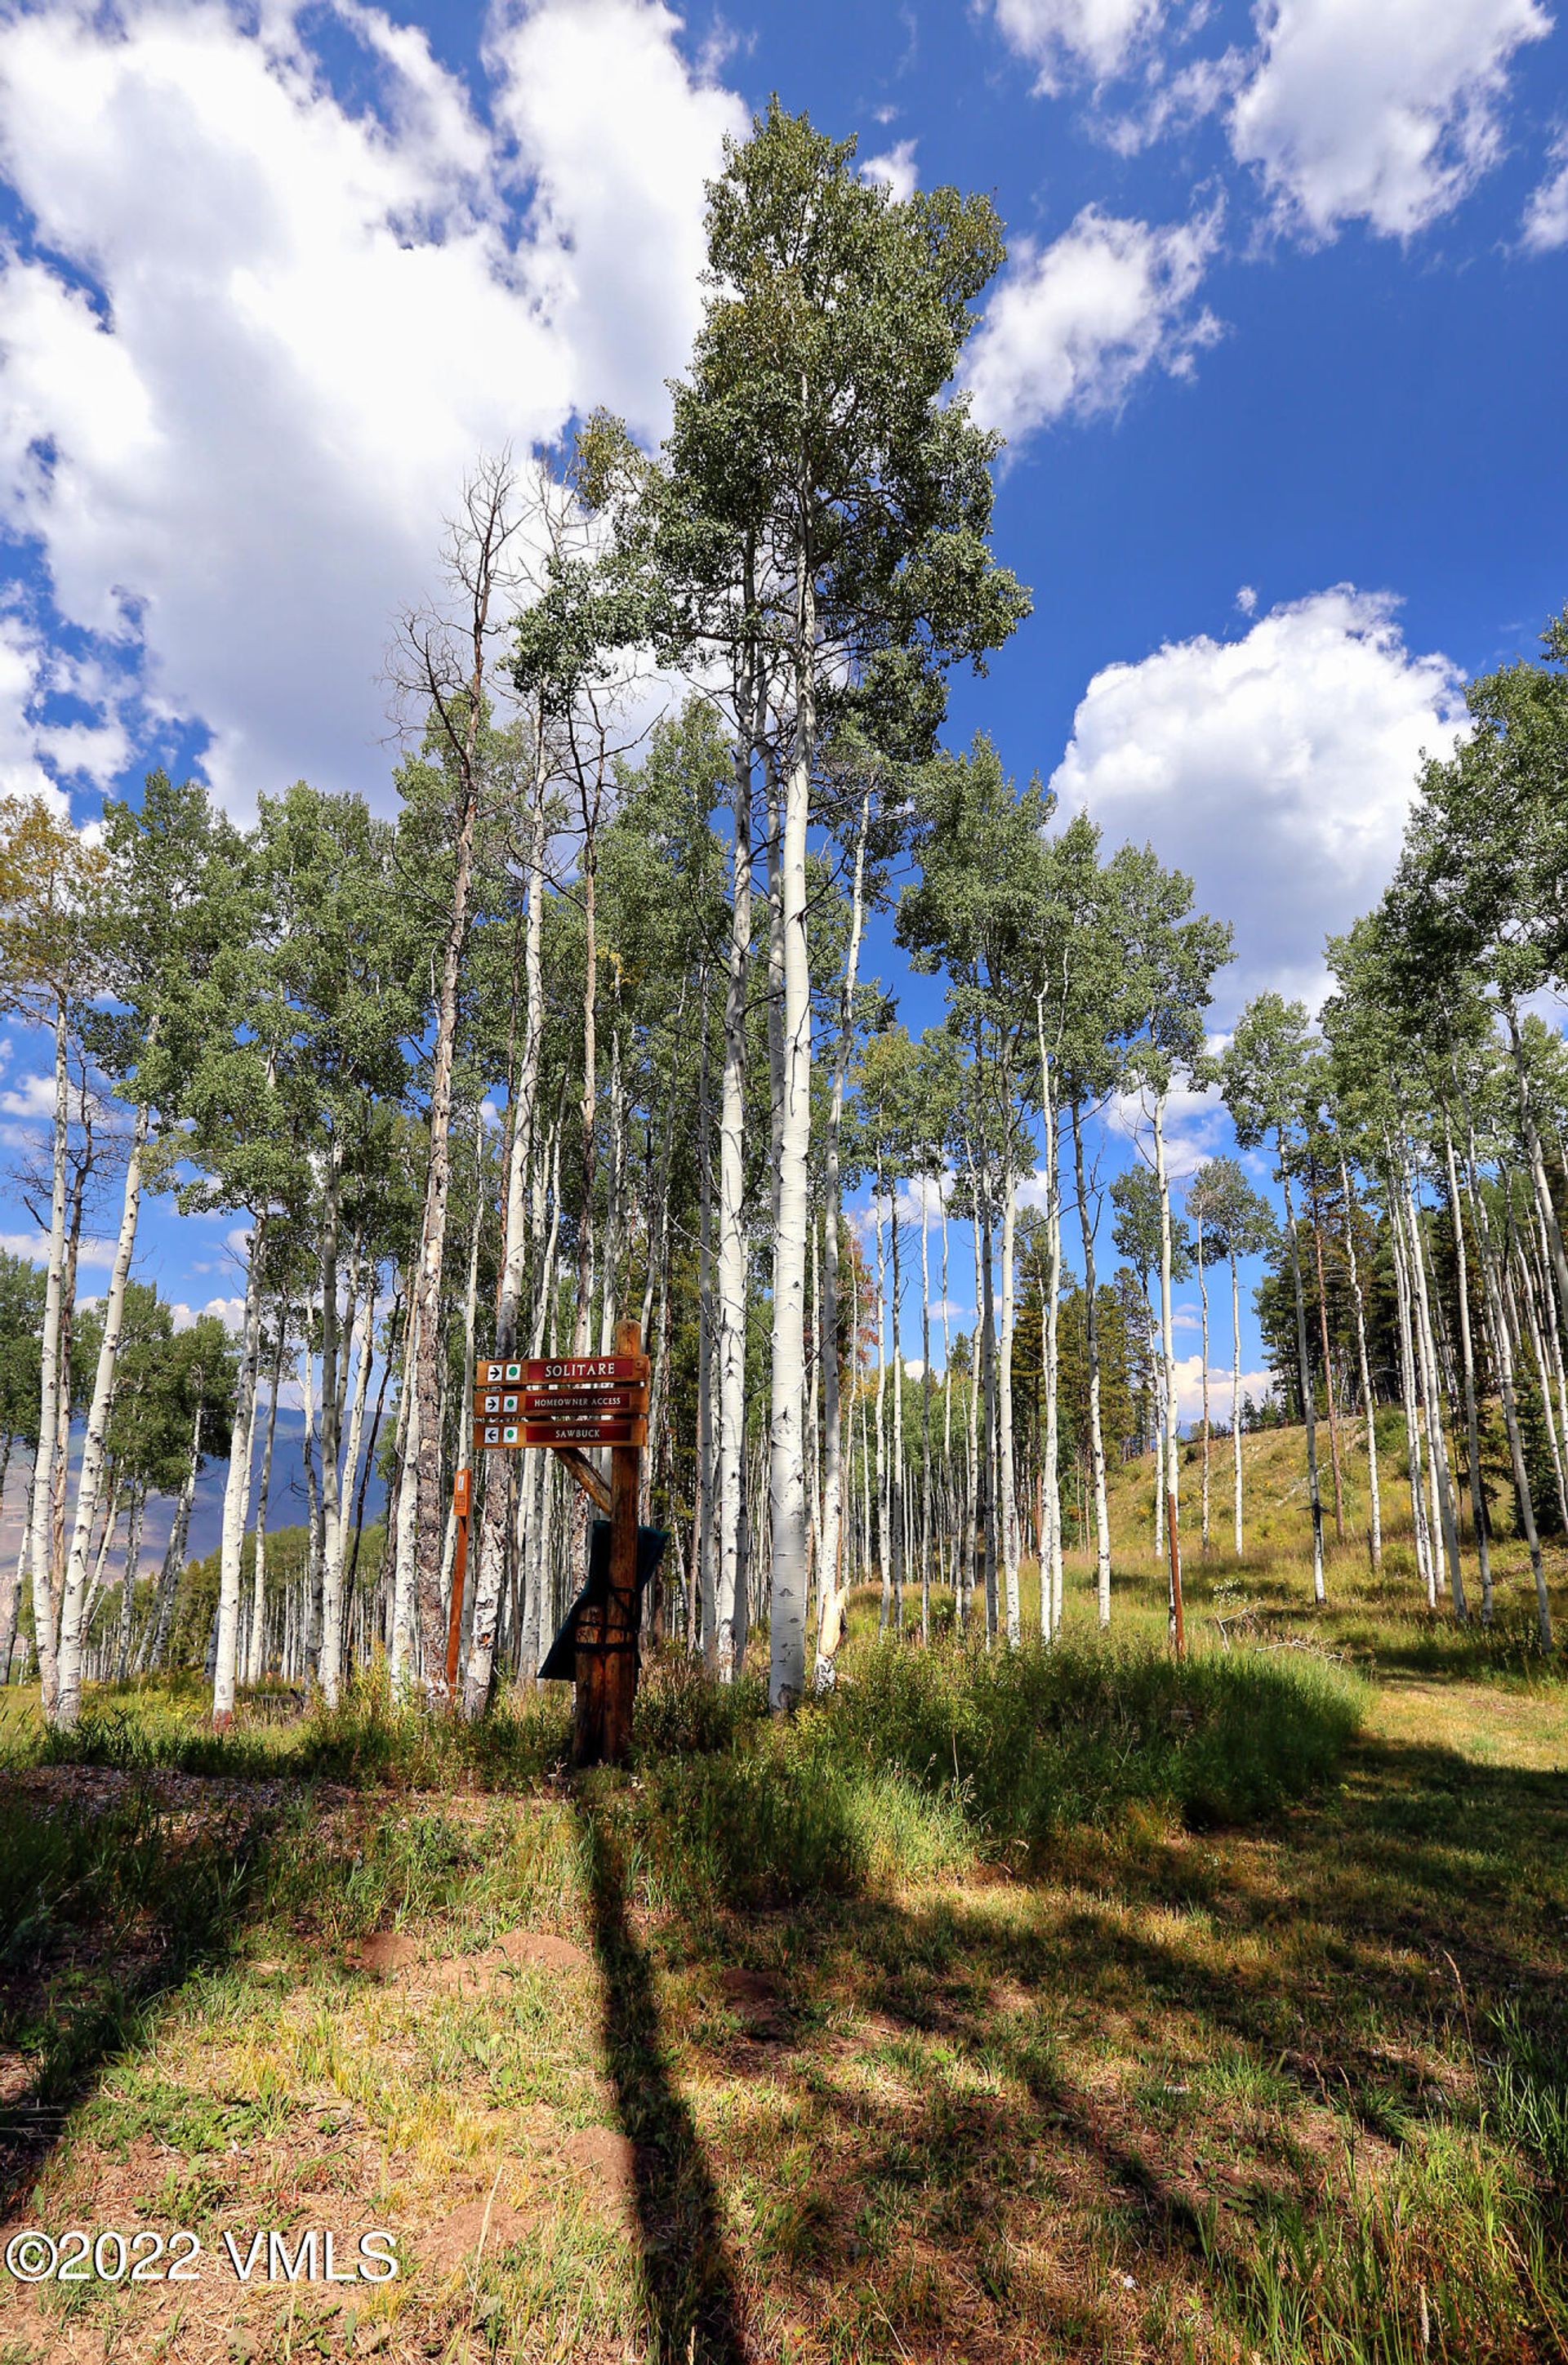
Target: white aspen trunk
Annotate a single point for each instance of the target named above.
(1157, 1392)
(44, 1461)
(94, 1448)
(719, 1647)
(363, 1349)
(590, 1105)
(464, 1446)
(786, 1476)
(255, 1662)
(1204, 1306)
(155, 1634)
(400, 1658)
(614, 1184)
(535, 1509)
(235, 1494)
(329, 1661)
(116, 1499)
(1323, 1341)
(1092, 1336)
(948, 1489)
(479, 562)
(924, 1418)
(947, 1349)
(863, 1559)
(1538, 1351)
(127, 1588)
(493, 1527)
(1053, 1593)
(1520, 1284)
(1467, 1375)
(732, 1257)
(1309, 1399)
(1430, 1428)
(1236, 1399)
(813, 1419)
(973, 1541)
(1425, 1569)
(895, 1457)
(1503, 1332)
(656, 1310)
(987, 1494)
(774, 979)
(884, 1560)
(1551, 1362)
(315, 1555)
(1364, 1365)
(1437, 1450)
(830, 1631)
(1544, 1200)
(63, 1423)
(711, 1474)
(1171, 1480)
(1010, 1554)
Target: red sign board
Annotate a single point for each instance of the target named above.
(562, 1370)
(549, 1404)
(585, 1432)
(510, 1436)
(560, 1400)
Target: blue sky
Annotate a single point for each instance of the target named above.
(1279, 350)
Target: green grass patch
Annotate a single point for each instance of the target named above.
(1027, 1740)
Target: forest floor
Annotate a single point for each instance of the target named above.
(1232, 2025)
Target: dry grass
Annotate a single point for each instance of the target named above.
(1283, 2090)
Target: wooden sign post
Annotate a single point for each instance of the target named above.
(569, 1403)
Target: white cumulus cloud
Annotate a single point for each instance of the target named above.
(617, 137)
(260, 330)
(1546, 216)
(1277, 770)
(1194, 1124)
(1061, 39)
(23, 681)
(34, 1246)
(1071, 325)
(1190, 1389)
(1386, 113)
(895, 168)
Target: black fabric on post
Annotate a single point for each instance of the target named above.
(560, 1661)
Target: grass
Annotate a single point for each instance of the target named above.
(1062, 2005)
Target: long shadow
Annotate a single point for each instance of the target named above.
(693, 2294)
(193, 1910)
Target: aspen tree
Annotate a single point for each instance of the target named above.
(447, 663)
(1264, 1073)
(816, 422)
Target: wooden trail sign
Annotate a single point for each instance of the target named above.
(592, 1400)
(574, 1405)
(565, 1371)
(561, 1429)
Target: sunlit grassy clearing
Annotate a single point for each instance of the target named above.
(1185, 2083)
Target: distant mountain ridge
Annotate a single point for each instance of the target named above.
(287, 1502)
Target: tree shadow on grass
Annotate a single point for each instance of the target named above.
(693, 2294)
(103, 1917)
(1023, 2089)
